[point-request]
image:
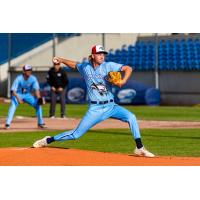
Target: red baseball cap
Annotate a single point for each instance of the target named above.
(98, 49)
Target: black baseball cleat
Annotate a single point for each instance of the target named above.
(42, 126)
(7, 126)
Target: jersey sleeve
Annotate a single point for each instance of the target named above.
(80, 67)
(115, 67)
(15, 84)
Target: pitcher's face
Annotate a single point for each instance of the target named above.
(98, 58)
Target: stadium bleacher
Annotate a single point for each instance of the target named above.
(173, 54)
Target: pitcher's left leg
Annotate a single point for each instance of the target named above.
(91, 118)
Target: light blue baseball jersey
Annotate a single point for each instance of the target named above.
(20, 85)
(95, 78)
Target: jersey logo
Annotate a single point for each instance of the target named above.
(100, 88)
(24, 90)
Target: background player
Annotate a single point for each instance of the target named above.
(25, 89)
(101, 103)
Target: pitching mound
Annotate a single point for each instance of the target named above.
(73, 157)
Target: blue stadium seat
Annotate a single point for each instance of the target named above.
(174, 54)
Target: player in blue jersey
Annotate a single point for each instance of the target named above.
(101, 100)
(25, 89)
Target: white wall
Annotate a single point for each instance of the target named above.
(75, 48)
(78, 48)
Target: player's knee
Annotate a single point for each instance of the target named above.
(132, 117)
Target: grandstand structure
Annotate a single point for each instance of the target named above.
(169, 62)
(20, 43)
(180, 52)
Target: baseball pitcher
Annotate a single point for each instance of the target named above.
(99, 77)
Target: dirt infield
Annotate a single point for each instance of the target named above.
(29, 124)
(72, 157)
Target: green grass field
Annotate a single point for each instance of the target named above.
(168, 142)
(141, 112)
(171, 142)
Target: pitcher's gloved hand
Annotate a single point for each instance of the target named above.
(114, 78)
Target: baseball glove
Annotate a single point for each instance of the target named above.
(41, 101)
(114, 77)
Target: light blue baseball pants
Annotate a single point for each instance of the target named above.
(97, 113)
(29, 99)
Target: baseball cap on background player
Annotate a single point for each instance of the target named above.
(98, 49)
(27, 68)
